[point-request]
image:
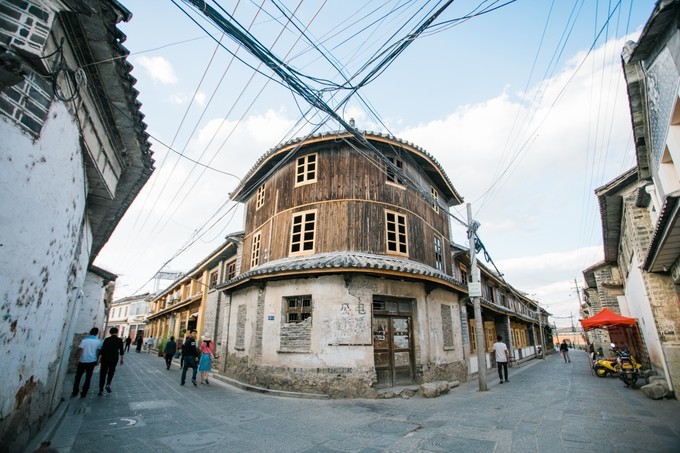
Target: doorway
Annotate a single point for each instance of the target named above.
(393, 342)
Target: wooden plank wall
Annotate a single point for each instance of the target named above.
(350, 195)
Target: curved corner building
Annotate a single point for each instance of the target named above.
(345, 279)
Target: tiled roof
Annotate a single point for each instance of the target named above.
(326, 262)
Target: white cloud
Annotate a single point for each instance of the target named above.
(178, 98)
(200, 98)
(159, 69)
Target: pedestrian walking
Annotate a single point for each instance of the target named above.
(169, 351)
(564, 349)
(189, 356)
(205, 365)
(181, 357)
(112, 349)
(139, 341)
(502, 358)
(128, 342)
(87, 355)
(149, 344)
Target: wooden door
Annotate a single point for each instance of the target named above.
(393, 350)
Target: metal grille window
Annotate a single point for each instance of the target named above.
(392, 174)
(305, 169)
(397, 237)
(435, 199)
(255, 251)
(302, 233)
(438, 256)
(298, 308)
(260, 197)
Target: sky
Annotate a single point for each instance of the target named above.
(524, 106)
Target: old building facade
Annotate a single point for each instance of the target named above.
(73, 156)
(653, 81)
(639, 209)
(505, 311)
(128, 314)
(346, 278)
(345, 281)
(192, 301)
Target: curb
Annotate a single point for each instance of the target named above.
(50, 428)
(253, 388)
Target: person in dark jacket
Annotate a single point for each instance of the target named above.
(128, 342)
(111, 350)
(139, 341)
(564, 349)
(169, 351)
(189, 356)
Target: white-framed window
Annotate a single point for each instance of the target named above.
(260, 197)
(392, 175)
(302, 234)
(396, 233)
(305, 169)
(255, 250)
(435, 199)
(438, 255)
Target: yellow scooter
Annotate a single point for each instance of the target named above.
(614, 366)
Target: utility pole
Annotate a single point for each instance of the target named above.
(578, 296)
(540, 330)
(475, 292)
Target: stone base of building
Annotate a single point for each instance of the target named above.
(334, 382)
(434, 372)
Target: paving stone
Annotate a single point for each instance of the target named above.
(547, 407)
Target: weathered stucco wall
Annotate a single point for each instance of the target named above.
(42, 267)
(332, 352)
(637, 306)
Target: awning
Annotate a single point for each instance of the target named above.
(606, 319)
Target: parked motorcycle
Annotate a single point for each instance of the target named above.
(605, 367)
(629, 369)
(623, 365)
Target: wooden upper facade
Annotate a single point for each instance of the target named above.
(331, 194)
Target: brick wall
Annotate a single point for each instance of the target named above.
(447, 326)
(297, 336)
(240, 328)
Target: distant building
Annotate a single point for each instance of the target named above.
(129, 315)
(505, 311)
(192, 301)
(73, 156)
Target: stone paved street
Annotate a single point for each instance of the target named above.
(548, 406)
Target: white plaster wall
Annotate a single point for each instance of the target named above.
(42, 194)
(432, 335)
(474, 363)
(637, 305)
(92, 311)
(341, 333)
